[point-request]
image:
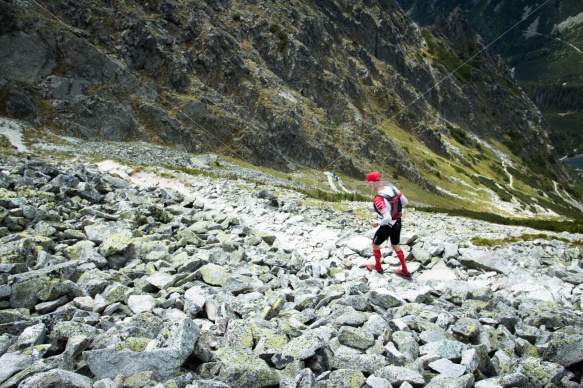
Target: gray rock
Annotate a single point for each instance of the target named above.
(299, 348)
(242, 368)
(448, 368)
(564, 349)
(343, 377)
(385, 298)
(57, 377)
(161, 280)
(32, 335)
(162, 357)
(214, 275)
(194, 300)
(441, 381)
(470, 360)
(375, 325)
(355, 337)
(489, 261)
(27, 57)
(539, 372)
(238, 284)
(367, 363)
(406, 344)
(450, 251)
(378, 382)
(397, 375)
(11, 363)
(361, 245)
(451, 350)
(421, 254)
(141, 303)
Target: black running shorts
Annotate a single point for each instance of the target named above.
(387, 231)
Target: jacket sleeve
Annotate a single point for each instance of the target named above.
(404, 200)
(382, 207)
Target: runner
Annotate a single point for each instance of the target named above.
(388, 203)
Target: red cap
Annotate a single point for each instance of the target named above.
(373, 177)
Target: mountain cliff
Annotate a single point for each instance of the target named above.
(349, 86)
(541, 41)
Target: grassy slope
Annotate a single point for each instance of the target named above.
(474, 182)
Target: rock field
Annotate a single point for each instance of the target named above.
(219, 282)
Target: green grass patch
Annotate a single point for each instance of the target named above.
(462, 137)
(480, 241)
(491, 184)
(548, 225)
(449, 60)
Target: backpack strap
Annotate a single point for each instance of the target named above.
(394, 201)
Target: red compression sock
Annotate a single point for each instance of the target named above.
(377, 258)
(401, 256)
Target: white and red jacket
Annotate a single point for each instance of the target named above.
(385, 211)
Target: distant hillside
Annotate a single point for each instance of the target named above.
(542, 41)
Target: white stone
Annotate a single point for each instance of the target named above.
(141, 303)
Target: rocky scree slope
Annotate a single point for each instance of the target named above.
(286, 85)
(104, 283)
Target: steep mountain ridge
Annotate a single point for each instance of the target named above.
(541, 41)
(328, 85)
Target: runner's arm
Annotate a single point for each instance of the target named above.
(404, 200)
(382, 207)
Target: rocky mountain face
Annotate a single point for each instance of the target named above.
(111, 277)
(541, 42)
(283, 84)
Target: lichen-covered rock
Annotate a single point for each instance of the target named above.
(24, 293)
(243, 368)
(467, 328)
(139, 380)
(214, 275)
(564, 348)
(148, 324)
(115, 243)
(345, 378)
(406, 344)
(299, 348)
(398, 375)
(15, 251)
(355, 337)
(366, 363)
(538, 372)
(239, 334)
(442, 381)
(268, 238)
(98, 232)
(451, 350)
(135, 344)
(268, 335)
(67, 329)
(162, 356)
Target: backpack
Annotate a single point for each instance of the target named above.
(395, 202)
